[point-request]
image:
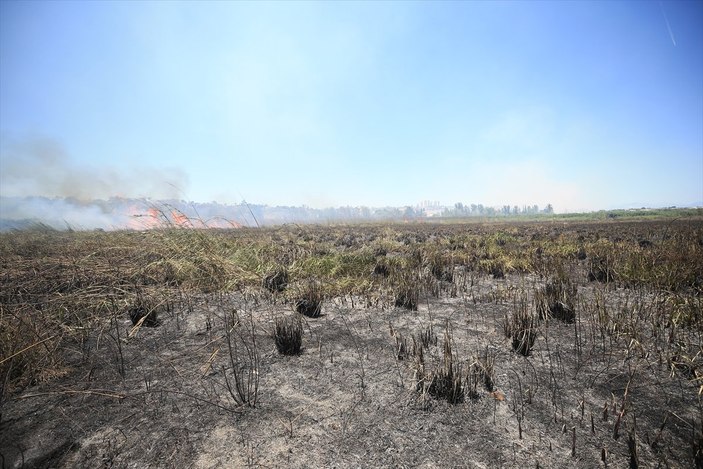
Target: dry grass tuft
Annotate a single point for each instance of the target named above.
(557, 300)
(276, 281)
(427, 337)
(407, 292)
(309, 303)
(601, 270)
(521, 328)
(288, 335)
(446, 381)
(381, 270)
(143, 312)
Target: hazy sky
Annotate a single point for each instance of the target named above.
(585, 105)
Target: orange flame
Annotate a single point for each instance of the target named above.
(180, 220)
(139, 218)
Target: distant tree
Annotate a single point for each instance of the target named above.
(516, 210)
(474, 208)
(549, 209)
(459, 207)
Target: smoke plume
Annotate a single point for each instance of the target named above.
(41, 167)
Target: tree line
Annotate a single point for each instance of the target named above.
(467, 210)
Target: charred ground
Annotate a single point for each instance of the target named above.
(510, 344)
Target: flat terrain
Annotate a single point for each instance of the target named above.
(464, 345)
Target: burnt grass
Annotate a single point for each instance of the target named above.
(614, 373)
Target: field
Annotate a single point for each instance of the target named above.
(532, 344)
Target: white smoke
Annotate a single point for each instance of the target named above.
(41, 167)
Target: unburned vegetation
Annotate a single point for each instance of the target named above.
(481, 345)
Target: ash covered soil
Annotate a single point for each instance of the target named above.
(530, 346)
(161, 397)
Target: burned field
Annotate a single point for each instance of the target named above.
(473, 345)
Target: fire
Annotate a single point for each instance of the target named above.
(148, 218)
(180, 220)
(138, 219)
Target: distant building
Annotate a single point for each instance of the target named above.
(429, 204)
(434, 211)
(431, 208)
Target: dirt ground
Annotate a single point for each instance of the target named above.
(160, 397)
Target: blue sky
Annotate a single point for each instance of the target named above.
(585, 105)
